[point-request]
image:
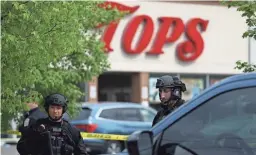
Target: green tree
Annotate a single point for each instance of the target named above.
(50, 47)
(248, 10)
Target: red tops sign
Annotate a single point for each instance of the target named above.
(188, 50)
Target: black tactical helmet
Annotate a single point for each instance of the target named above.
(56, 99)
(167, 81)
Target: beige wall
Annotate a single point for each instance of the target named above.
(223, 40)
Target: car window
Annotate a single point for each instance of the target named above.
(84, 114)
(109, 114)
(130, 114)
(147, 115)
(224, 125)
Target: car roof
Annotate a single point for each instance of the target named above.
(238, 77)
(98, 105)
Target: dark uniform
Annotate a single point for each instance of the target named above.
(164, 112)
(177, 87)
(30, 118)
(51, 136)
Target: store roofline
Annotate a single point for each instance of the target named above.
(216, 3)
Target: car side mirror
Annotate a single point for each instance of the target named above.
(140, 143)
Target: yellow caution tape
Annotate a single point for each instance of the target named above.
(13, 132)
(86, 135)
(103, 136)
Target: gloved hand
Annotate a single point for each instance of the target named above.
(67, 149)
(39, 129)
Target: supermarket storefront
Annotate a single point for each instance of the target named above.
(191, 41)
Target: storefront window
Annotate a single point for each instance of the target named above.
(194, 85)
(153, 92)
(216, 79)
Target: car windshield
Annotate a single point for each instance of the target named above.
(228, 125)
(224, 125)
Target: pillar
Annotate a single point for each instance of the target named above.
(140, 87)
(93, 90)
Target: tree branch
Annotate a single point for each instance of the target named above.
(51, 29)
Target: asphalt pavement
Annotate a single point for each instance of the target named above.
(9, 150)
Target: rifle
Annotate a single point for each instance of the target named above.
(47, 137)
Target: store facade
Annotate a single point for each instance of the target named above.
(200, 43)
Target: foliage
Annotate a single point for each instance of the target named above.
(245, 66)
(50, 47)
(248, 9)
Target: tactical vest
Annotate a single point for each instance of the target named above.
(61, 143)
(57, 140)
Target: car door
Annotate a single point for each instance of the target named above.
(147, 115)
(223, 125)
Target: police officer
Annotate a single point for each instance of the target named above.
(30, 118)
(54, 135)
(170, 94)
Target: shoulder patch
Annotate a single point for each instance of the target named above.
(26, 122)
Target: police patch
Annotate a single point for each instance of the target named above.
(26, 122)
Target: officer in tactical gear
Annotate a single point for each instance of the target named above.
(170, 94)
(54, 135)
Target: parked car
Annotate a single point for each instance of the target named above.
(7, 139)
(220, 121)
(112, 118)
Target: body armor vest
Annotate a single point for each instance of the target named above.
(57, 140)
(61, 144)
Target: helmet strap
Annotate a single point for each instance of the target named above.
(170, 104)
(173, 103)
(55, 119)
